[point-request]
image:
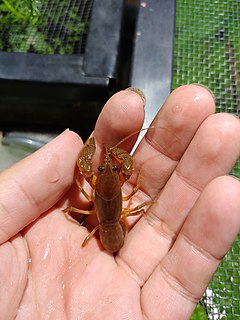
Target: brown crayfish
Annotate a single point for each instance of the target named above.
(107, 186)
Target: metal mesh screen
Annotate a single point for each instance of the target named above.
(44, 26)
(207, 51)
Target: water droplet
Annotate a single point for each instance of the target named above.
(177, 108)
(196, 97)
(46, 253)
(70, 264)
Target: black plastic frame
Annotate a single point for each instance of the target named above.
(52, 92)
(152, 66)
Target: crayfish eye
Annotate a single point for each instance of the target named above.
(100, 168)
(115, 168)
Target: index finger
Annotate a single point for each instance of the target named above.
(122, 115)
(36, 183)
(175, 125)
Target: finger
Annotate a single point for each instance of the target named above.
(175, 125)
(206, 156)
(36, 183)
(158, 155)
(204, 160)
(122, 114)
(181, 278)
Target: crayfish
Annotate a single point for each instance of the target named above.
(107, 186)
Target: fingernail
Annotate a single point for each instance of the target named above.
(66, 130)
(139, 92)
(205, 87)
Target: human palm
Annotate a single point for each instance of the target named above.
(170, 252)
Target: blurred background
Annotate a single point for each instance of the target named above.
(61, 60)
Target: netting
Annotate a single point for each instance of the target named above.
(44, 26)
(207, 51)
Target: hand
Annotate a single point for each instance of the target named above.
(172, 251)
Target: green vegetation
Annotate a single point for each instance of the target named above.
(199, 313)
(41, 26)
(20, 10)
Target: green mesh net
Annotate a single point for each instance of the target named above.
(207, 51)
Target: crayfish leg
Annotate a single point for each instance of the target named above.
(89, 236)
(81, 189)
(135, 211)
(76, 210)
(135, 189)
(77, 214)
(124, 227)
